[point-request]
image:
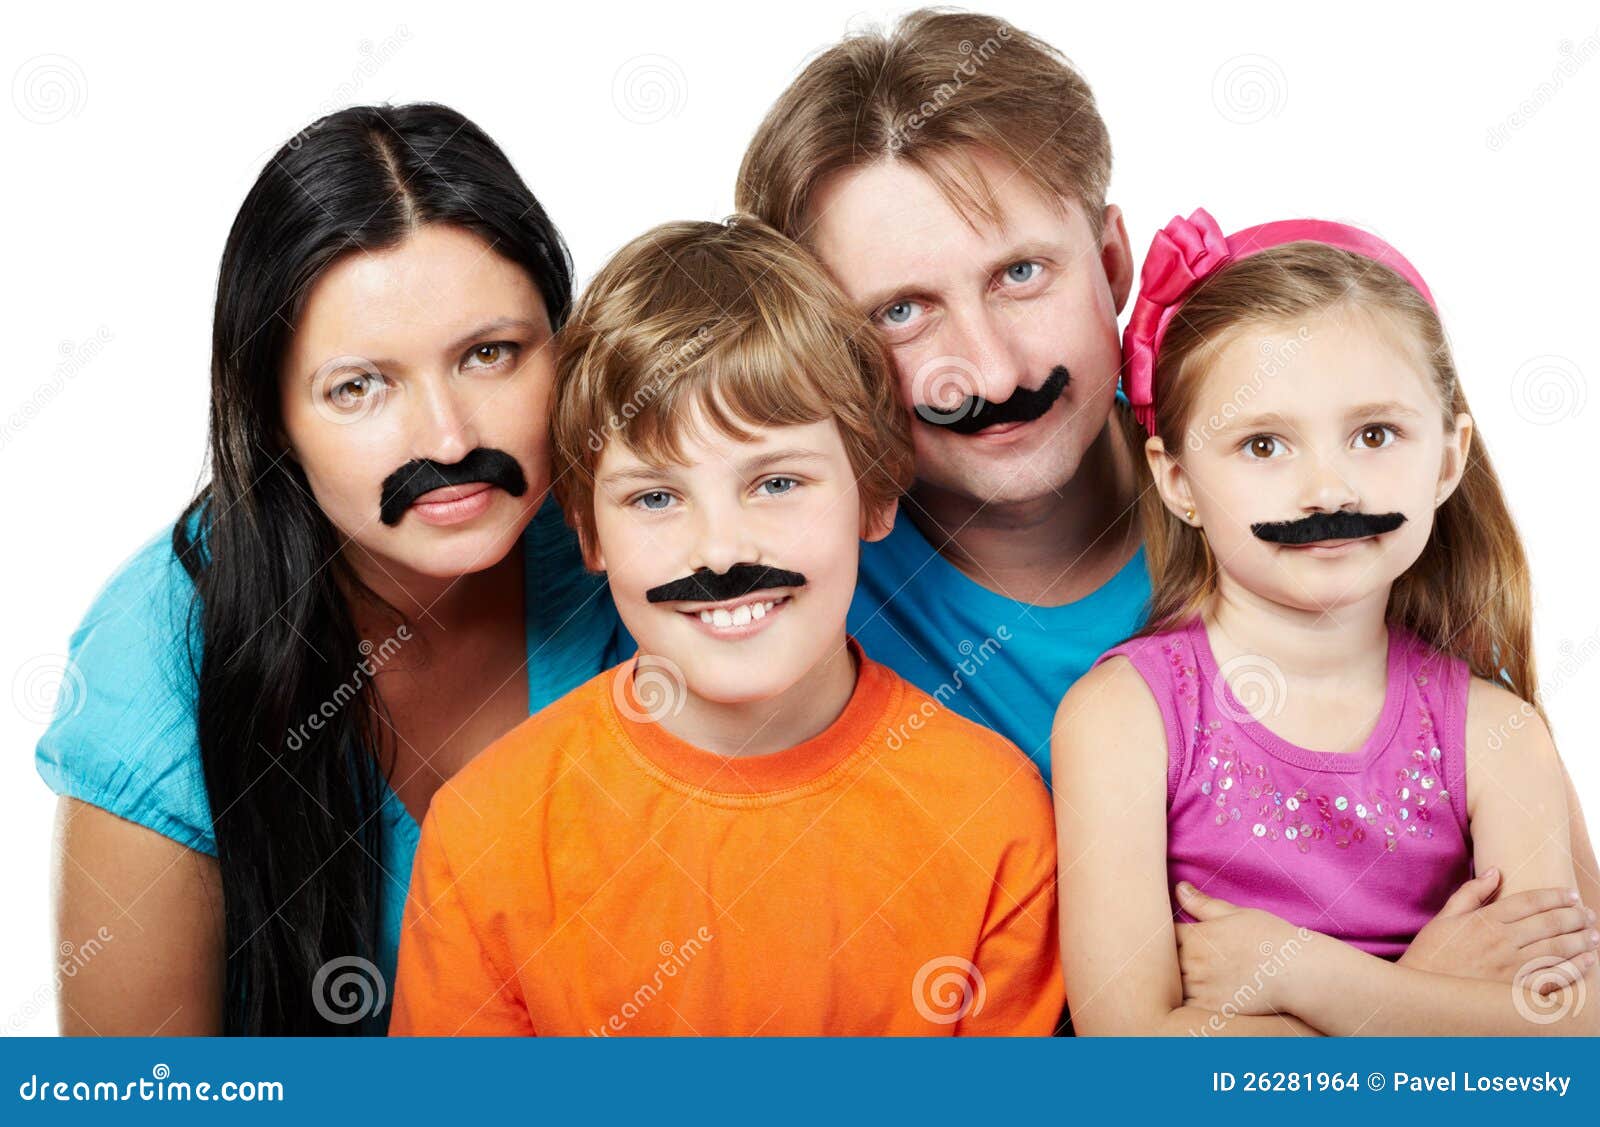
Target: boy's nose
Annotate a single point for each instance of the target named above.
(721, 541)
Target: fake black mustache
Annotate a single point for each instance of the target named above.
(712, 587)
(1328, 526)
(976, 413)
(423, 475)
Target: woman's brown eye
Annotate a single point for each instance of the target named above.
(488, 353)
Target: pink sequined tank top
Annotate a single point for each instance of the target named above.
(1365, 846)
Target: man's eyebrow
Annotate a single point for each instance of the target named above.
(496, 325)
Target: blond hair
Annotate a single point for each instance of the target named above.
(929, 91)
(739, 321)
(1468, 594)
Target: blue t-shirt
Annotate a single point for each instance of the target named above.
(1003, 663)
(124, 737)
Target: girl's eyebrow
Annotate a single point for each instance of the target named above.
(1387, 407)
(1390, 407)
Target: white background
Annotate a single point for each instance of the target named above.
(130, 138)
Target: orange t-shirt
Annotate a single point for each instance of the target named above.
(592, 873)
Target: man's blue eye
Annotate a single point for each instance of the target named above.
(900, 312)
(1022, 271)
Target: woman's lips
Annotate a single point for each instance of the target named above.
(454, 504)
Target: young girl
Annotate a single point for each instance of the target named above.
(1324, 724)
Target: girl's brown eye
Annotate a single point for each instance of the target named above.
(1262, 447)
(1372, 437)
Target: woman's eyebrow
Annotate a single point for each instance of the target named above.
(487, 328)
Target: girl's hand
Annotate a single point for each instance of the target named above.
(1544, 931)
(1234, 960)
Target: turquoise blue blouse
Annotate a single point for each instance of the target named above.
(125, 739)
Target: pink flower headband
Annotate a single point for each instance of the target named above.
(1187, 250)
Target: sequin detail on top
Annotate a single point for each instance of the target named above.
(1239, 783)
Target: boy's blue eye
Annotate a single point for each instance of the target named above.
(780, 485)
(1022, 271)
(655, 500)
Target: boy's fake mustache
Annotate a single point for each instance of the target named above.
(423, 475)
(707, 586)
(975, 413)
(1328, 526)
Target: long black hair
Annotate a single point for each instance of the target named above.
(296, 812)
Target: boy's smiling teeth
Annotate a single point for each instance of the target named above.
(741, 615)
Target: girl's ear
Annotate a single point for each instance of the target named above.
(876, 525)
(1170, 480)
(1457, 445)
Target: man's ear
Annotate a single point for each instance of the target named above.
(1456, 448)
(1170, 480)
(1116, 254)
(876, 525)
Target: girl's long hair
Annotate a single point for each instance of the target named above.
(1468, 594)
(296, 808)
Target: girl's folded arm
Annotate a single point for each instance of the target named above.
(1517, 798)
(1119, 954)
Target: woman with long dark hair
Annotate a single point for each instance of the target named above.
(367, 592)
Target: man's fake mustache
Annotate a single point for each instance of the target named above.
(1328, 526)
(423, 475)
(707, 586)
(975, 413)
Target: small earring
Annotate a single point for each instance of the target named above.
(1188, 515)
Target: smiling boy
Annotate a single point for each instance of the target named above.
(751, 827)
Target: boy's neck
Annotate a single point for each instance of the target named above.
(1047, 550)
(761, 727)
